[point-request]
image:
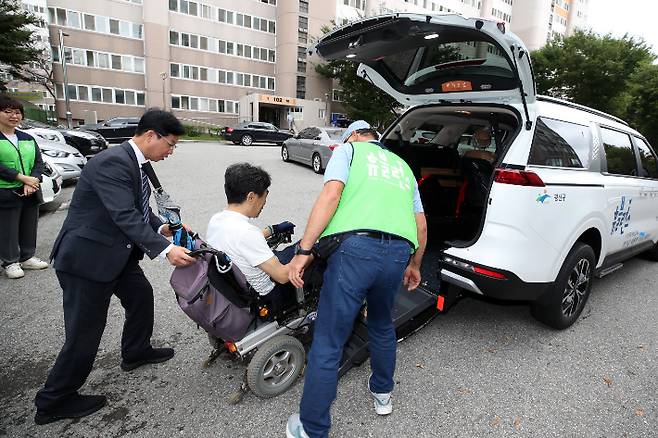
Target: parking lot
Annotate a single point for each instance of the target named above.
(483, 369)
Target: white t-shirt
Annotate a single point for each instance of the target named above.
(231, 232)
(13, 138)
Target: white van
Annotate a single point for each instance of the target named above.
(560, 194)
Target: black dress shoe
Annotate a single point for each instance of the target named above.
(76, 406)
(155, 355)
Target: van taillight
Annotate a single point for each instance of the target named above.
(489, 273)
(332, 147)
(518, 178)
(229, 130)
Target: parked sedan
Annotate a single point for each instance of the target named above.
(66, 159)
(312, 146)
(89, 143)
(249, 133)
(115, 129)
(40, 130)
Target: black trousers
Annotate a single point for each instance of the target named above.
(18, 232)
(86, 304)
(282, 294)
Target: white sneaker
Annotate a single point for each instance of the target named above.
(34, 263)
(14, 271)
(383, 402)
(294, 428)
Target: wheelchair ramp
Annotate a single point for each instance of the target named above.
(411, 312)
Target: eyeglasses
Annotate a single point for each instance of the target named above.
(171, 145)
(11, 112)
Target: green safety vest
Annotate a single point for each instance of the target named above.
(10, 156)
(378, 196)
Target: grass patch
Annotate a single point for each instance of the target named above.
(202, 137)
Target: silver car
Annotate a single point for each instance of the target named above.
(68, 161)
(313, 146)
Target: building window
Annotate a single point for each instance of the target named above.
(204, 104)
(100, 60)
(99, 94)
(302, 37)
(220, 46)
(95, 23)
(303, 23)
(303, 6)
(301, 87)
(244, 20)
(337, 95)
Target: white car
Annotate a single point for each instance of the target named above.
(51, 182)
(41, 131)
(66, 159)
(562, 194)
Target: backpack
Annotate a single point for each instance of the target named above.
(217, 306)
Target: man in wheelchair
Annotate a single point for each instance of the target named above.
(246, 187)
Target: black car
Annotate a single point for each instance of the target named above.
(255, 132)
(115, 129)
(88, 143)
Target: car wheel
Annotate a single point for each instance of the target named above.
(284, 154)
(565, 300)
(246, 140)
(316, 163)
(276, 366)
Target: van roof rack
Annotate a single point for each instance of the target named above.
(581, 107)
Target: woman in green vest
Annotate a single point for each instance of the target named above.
(20, 173)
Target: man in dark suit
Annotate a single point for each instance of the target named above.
(108, 229)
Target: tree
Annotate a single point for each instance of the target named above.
(362, 100)
(591, 70)
(643, 103)
(19, 48)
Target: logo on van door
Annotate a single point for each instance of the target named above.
(546, 198)
(622, 216)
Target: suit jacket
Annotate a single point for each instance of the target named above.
(104, 224)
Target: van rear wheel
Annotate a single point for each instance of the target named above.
(565, 300)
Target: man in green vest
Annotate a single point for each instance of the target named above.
(371, 211)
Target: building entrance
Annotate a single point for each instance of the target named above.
(271, 114)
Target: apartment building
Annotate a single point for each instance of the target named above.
(216, 61)
(539, 21)
(222, 62)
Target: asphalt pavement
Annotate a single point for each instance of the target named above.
(483, 369)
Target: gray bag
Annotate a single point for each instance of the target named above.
(205, 304)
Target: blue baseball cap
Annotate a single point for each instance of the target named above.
(354, 126)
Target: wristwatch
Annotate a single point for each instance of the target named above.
(300, 251)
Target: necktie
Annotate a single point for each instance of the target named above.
(146, 193)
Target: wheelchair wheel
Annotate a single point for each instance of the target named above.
(275, 366)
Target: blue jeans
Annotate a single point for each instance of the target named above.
(361, 268)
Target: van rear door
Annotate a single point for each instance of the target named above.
(421, 59)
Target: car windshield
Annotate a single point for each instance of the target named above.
(334, 134)
(27, 123)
